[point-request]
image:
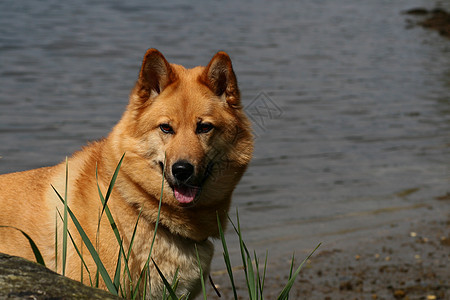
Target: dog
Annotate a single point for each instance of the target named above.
(186, 142)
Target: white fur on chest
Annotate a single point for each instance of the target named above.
(173, 254)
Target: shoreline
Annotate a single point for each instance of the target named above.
(409, 262)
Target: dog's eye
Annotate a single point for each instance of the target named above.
(204, 127)
(166, 128)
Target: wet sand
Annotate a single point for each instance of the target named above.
(411, 263)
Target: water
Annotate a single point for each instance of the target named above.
(359, 140)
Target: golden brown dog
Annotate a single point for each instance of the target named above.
(192, 120)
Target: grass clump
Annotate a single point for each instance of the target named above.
(254, 278)
(121, 284)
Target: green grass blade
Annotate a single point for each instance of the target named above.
(164, 295)
(56, 241)
(97, 247)
(106, 210)
(258, 277)
(285, 292)
(97, 277)
(133, 235)
(166, 283)
(246, 260)
(174, 284)
(201, 273)
(123, 287)
(101, 268)
(290, 271)
(154, 235)
(80, 253)
(264, 276)
(240, 244)
(127, 257)
(65, 221)
(158, 216)
(226, 257)
(113, 181)
(116, 280)
(136, 288)
(36, 252)
(175, 280)
(239, 233)
(81, 264)
(251, 279)
(144, 294)
(292, 266)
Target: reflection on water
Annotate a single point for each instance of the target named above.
(363, 107)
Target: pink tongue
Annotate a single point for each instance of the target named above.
(185, 194)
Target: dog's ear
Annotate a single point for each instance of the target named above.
(220, 78)
(156, 73)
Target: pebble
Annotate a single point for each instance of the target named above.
(399, 294)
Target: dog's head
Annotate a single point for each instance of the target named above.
(188, 127)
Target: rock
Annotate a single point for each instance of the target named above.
(419, 11)
(22, 279)
(345, 286)
(437, 19)
(399, 294)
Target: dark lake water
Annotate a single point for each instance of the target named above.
(356, 140)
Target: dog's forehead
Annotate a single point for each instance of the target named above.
(187, 95)
(189, 86)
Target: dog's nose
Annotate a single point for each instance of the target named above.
(182, 170)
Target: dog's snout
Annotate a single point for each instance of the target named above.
(182, 170)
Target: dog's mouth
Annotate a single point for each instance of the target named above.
(185, 194)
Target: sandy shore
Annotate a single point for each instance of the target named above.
(411, 263)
